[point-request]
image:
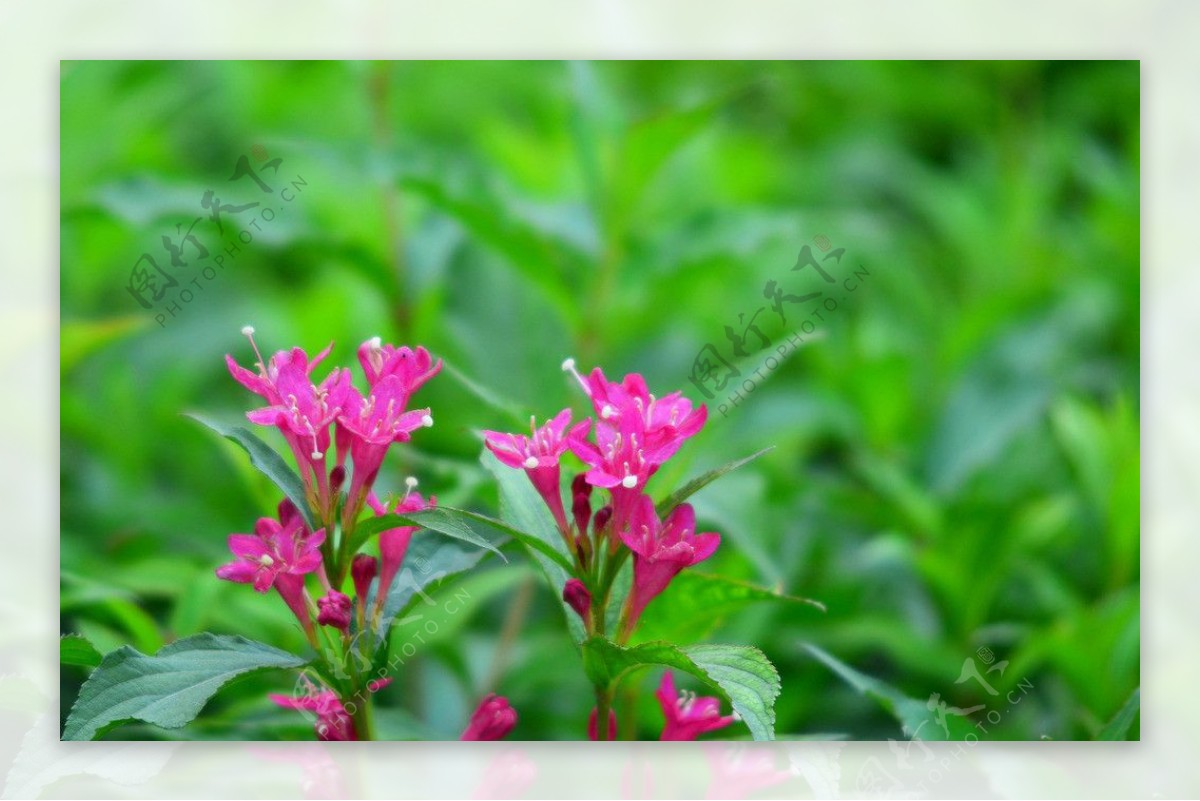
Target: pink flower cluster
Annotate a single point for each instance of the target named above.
(634, 434)
(335, 431)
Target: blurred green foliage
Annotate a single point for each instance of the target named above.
(955, 460)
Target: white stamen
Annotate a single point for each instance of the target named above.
(568, 366)
(427, 421)
(629, 482)
(265, 560)
(375, 343)
(247, 330)
(609, 411)
(411, 482)
(317, 454)
(248, 333)
(531, 463)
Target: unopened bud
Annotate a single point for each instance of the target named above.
(337, 477)
(576, 596)
(363, 570)
(334, 610)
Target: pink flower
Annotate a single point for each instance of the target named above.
(661, 551)
(278, 554)
(302, 411)
(493, 719)
(369, 425)
(413, 368)
(538, 456)
(334, 610)
(636, 432)
(333, 723)
(688, 715)
(393, 543)
(593, 729)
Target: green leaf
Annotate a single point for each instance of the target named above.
(531, 524)
(1118, 727)
(430, 560)
(75, 649)
(268, 462)
(742, 672)
(674, 612)
(915, 718)
(168, 689)
(446, 520)
(700, 482)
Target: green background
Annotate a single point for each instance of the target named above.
(956, 454)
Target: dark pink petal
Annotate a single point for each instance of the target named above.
(241, 572)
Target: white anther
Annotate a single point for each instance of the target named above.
(629, 482)
(265, 560)
(531, 463)
(568, 365)
(427, 421)
(317, 455)
(609, 411)
(247, 330)
(375, 343)
(410, 482)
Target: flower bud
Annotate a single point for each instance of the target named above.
(576, 596)
(600, 522)
(492, 720)
(337, 477)
(581, 510)
(580, 486)
(334, 610)
(287, 511)
(363, 570)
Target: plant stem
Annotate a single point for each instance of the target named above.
(603, 706)
(364, 724)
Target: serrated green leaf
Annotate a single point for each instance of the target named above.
(75, 649)
(168, 689)
(268, 462)
(430, 560)
(1118, 727)
(742, 672)
(700, 482)
(916, 719)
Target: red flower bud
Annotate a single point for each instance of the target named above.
(577, 597)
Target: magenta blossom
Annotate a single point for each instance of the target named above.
(368, 426)
(636, 432)
(393, 543)
(660, 551)
(688, 715)
(303, 412)
(333, 723)
(492, 720)
(277, 555)
(538, 456)
(413, 368)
